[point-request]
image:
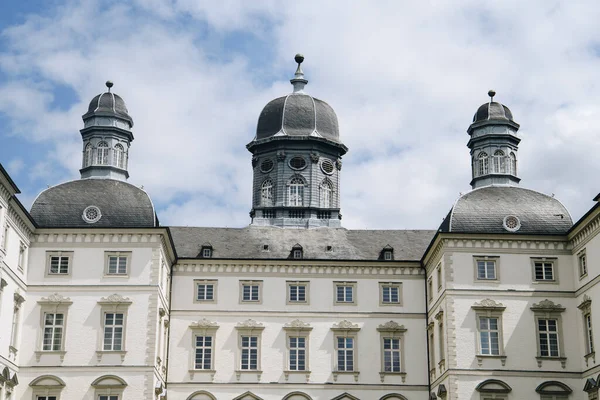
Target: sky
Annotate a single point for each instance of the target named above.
(404, 78)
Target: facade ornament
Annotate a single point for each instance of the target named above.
(115, 298)
(439, 316)
(18, 299)
(281, 155)
(391, 326)
(547, 306)
(345, 325)
(56, 298)
(585, 303)
(338, 164)
(297, 325)
(314, 157)
(250, 324)
(488, 304)
(204, 324)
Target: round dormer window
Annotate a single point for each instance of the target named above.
(91, 214)
(327, 166)
(266, 166)
(297, 163)
(512, 223)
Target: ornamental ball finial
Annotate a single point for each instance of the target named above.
(492, 93)
(299, 58)
(109, 84)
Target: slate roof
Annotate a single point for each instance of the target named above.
(298, 114)
(108, 104)
(247, 243)
(493, 111)
(121, 204)
(483, 211)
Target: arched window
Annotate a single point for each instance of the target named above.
(499, 157)
(483, 163)
(119, 156)
(266, 193)
(325, 191)
(88, 155)
(102, 153)
(513, 164)
(296, 192)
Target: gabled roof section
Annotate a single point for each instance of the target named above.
(345, 396)
(248, 396)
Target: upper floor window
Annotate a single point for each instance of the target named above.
(390, 293)
(499, 165)
(88, 155)
(297, 353)
(250, 291)
(108, 397)
(325, 191)
(249, 352)
(266, 193)
(486, 269)
(344, 292)
(439, 276)
(548, 337)
(345, 353)
(102, 151)
(430, 289)
(116, 263)
(297, 292)
(21, 261)
(58, 263)
(206, 291)
(582, 261)
(113, 331)
(483, 163)
(204, 352)
(544, 271)
(119, 154)
(296, 192)
(206, 252)
(53, 331)
(489, 336)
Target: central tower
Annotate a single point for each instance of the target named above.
(296, 160)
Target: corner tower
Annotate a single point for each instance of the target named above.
(296, 161)
(106, 137)
(494, 144)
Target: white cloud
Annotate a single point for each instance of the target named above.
(405, 82)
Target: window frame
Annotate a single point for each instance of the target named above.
(439, 276)
(113, 304)
(249, 328)
(345, 284)
(118, 254)
(396, 285)
(297, 328)
(53, 304)
(347, 330)
(588, 327)
(486, 259)
(203, 328)
(295, 191)
(582, 264)
(306, 285)
(212, 282)
(251, 283)
(544, 261)
(548, 310)
(391, 330)
(66, 254)
(488, 308)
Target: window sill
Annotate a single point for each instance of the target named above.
(583, 276)
(239, 372)
(61, 353)
(383, 374)
(336, 373)
(487, 280)
(344, 303)
(202, 372)
(563, 360)
(390, 304)
(287, 374)
(547, 282)
(100, 353)
(481, 357)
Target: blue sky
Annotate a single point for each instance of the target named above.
(404, 78)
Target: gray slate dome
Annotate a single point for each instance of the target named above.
(493, 111)
(298, 114)
(108, 104)
(120, 205)
(484, 211)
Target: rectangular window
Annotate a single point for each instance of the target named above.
(204, 352)
(249, 359)
(205, 291)
(429, 289)
(113, 331)
(59, 264)
(117, 265)
(544, 271)
(391, 355)
(489, 335)
(297, 353)
(111, 397)
(46, 397)
(345, 353)
(344, 292)
(297, 254)
(587, 319)
(486, 269)
(21, 262)
(431, 348)
(207, 252)
(441, 340)
(53, 331)
(548, 335)
(439, 277)
(387, 255)
(297, 292)
(390, 293)
(251, 291)
(582, 264)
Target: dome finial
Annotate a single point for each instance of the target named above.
(109, 84)
(491, 93)
(298, 81)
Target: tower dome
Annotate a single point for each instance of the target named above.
(108, 104)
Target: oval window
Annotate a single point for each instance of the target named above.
(298, 163)
(266, 165)
(327, 166)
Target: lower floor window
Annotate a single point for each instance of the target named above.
(391, 355)
(297, 353)
(203, 352)
(46, 398)
(345, 353)
(249, 353)
(548, 335)
(111, 397)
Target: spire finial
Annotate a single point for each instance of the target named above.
(298, 81)
(109, 84)
(491, 93)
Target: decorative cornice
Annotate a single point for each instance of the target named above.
(250, 324)
(297, 325)
(391, 326)
(19, 222)
(115, 299)
(204, 324)
(81, 236)
(585, 303)
(55, 298)
(547, 306)
(488, 305)
(586, 232)
(345, 325)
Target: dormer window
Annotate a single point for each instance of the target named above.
(387, 253)
(206, 251)
(297, 252)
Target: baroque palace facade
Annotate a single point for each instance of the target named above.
(98, 301)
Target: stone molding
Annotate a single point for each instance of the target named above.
(250, 324)
(391, 326)
(345, 326)
(547, 306)
(589, 231)
(297, 325)
(525, 244)
(586, 303)
(116, 299)
(56, 299)
(204, 324)
(488, 305)
(286, 269)
(104, 238)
